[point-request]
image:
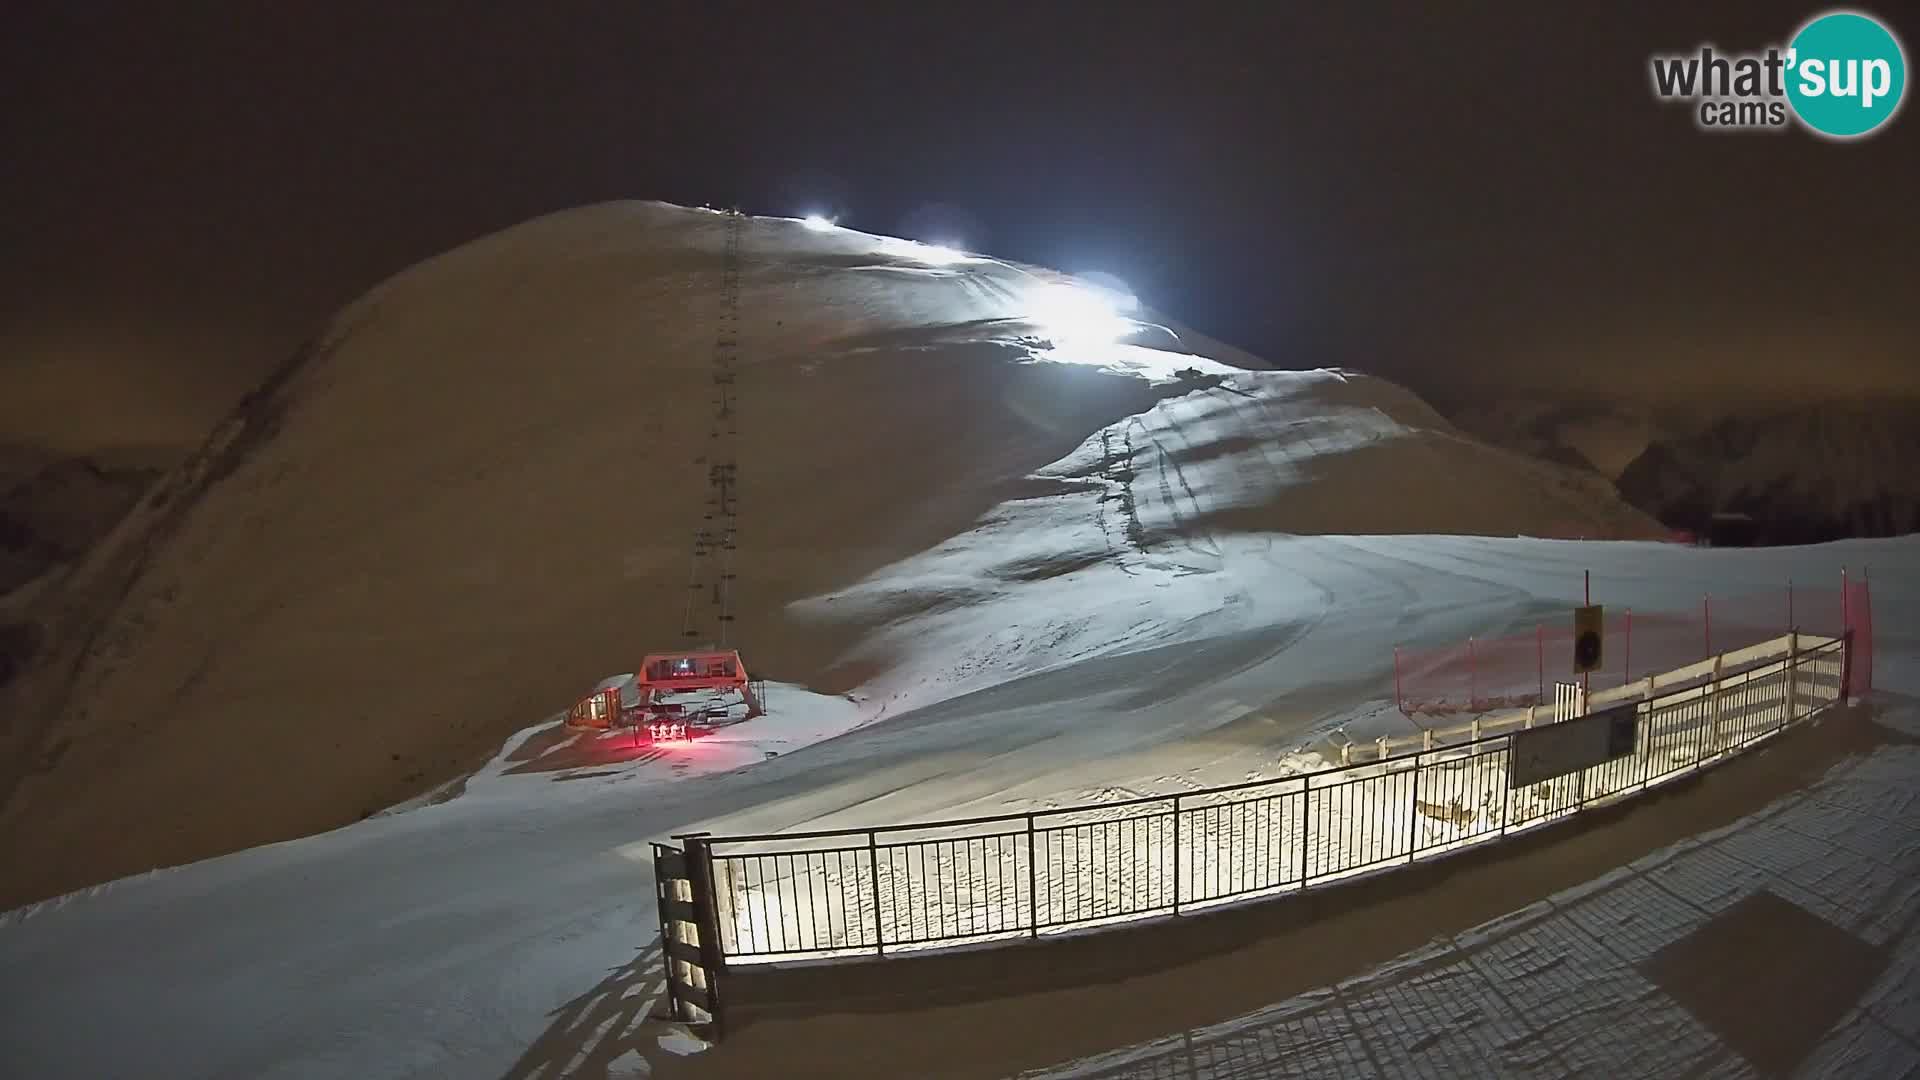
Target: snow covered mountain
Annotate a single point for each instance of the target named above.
(1602, 437)
(473, 497)
(53, 509)
(1051, 554)
(1806, 473)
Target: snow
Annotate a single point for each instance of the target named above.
(589, 762)
(441, 940)
(1050, 572)
(678, 1040)
(1121, 854)
(476, 498)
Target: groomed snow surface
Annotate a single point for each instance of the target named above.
(450, 940)
(1049, 572)
(1004, 878)
(477, 496)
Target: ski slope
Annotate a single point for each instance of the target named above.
(1005, 543)
(475, 495)
(448, 940)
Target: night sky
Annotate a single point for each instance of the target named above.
(1459, 199)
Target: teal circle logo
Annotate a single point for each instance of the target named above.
(1846, 74)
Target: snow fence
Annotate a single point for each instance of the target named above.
(1518, 669)
(899, 888)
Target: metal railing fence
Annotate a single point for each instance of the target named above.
(899, 888)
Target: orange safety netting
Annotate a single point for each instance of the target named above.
(1518, 670)
(1858, 603)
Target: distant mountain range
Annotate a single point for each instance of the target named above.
(1808, 473)
(52, 510)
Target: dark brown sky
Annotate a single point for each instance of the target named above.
(1448, 194)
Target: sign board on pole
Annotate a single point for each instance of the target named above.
(1589, 639)
(1542, 753)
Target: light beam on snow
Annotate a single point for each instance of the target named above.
(1072, 314)
(819, 223)
(1110, 285)
(940, 255)
(926, 254)
(1087, 324)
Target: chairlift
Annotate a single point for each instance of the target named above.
(667, 673)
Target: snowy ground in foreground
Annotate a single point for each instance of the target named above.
(512, 930)
(590, 762)
(1104, 859)
(1637, 973)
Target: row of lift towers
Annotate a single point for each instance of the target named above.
(677, 696)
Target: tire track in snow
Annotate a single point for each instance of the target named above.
(1119, 478)
(1261, 426)
(1406, 596)
(1275, 424)
(1166, 488)
(992, 291)
(1490, 586)
(1212, 546)
(1165, 473)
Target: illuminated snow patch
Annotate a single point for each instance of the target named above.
(1154, 365)
(1075, 314)
(1120, 292)
(927, 254)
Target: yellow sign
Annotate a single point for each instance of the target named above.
(1589, 639)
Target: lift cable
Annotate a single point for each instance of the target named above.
(721, 507)
(725, 468)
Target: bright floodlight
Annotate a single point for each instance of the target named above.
(938, 254)
(1075, 314)
(819, 223)
(924, 254)
(1112, 287)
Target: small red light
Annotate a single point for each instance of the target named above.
(674, 731)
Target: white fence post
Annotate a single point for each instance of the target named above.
(1532, 713)
(1383, 748)
(1426, 739)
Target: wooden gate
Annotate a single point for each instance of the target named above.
(689, 933)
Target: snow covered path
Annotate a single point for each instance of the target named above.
(450, 940)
